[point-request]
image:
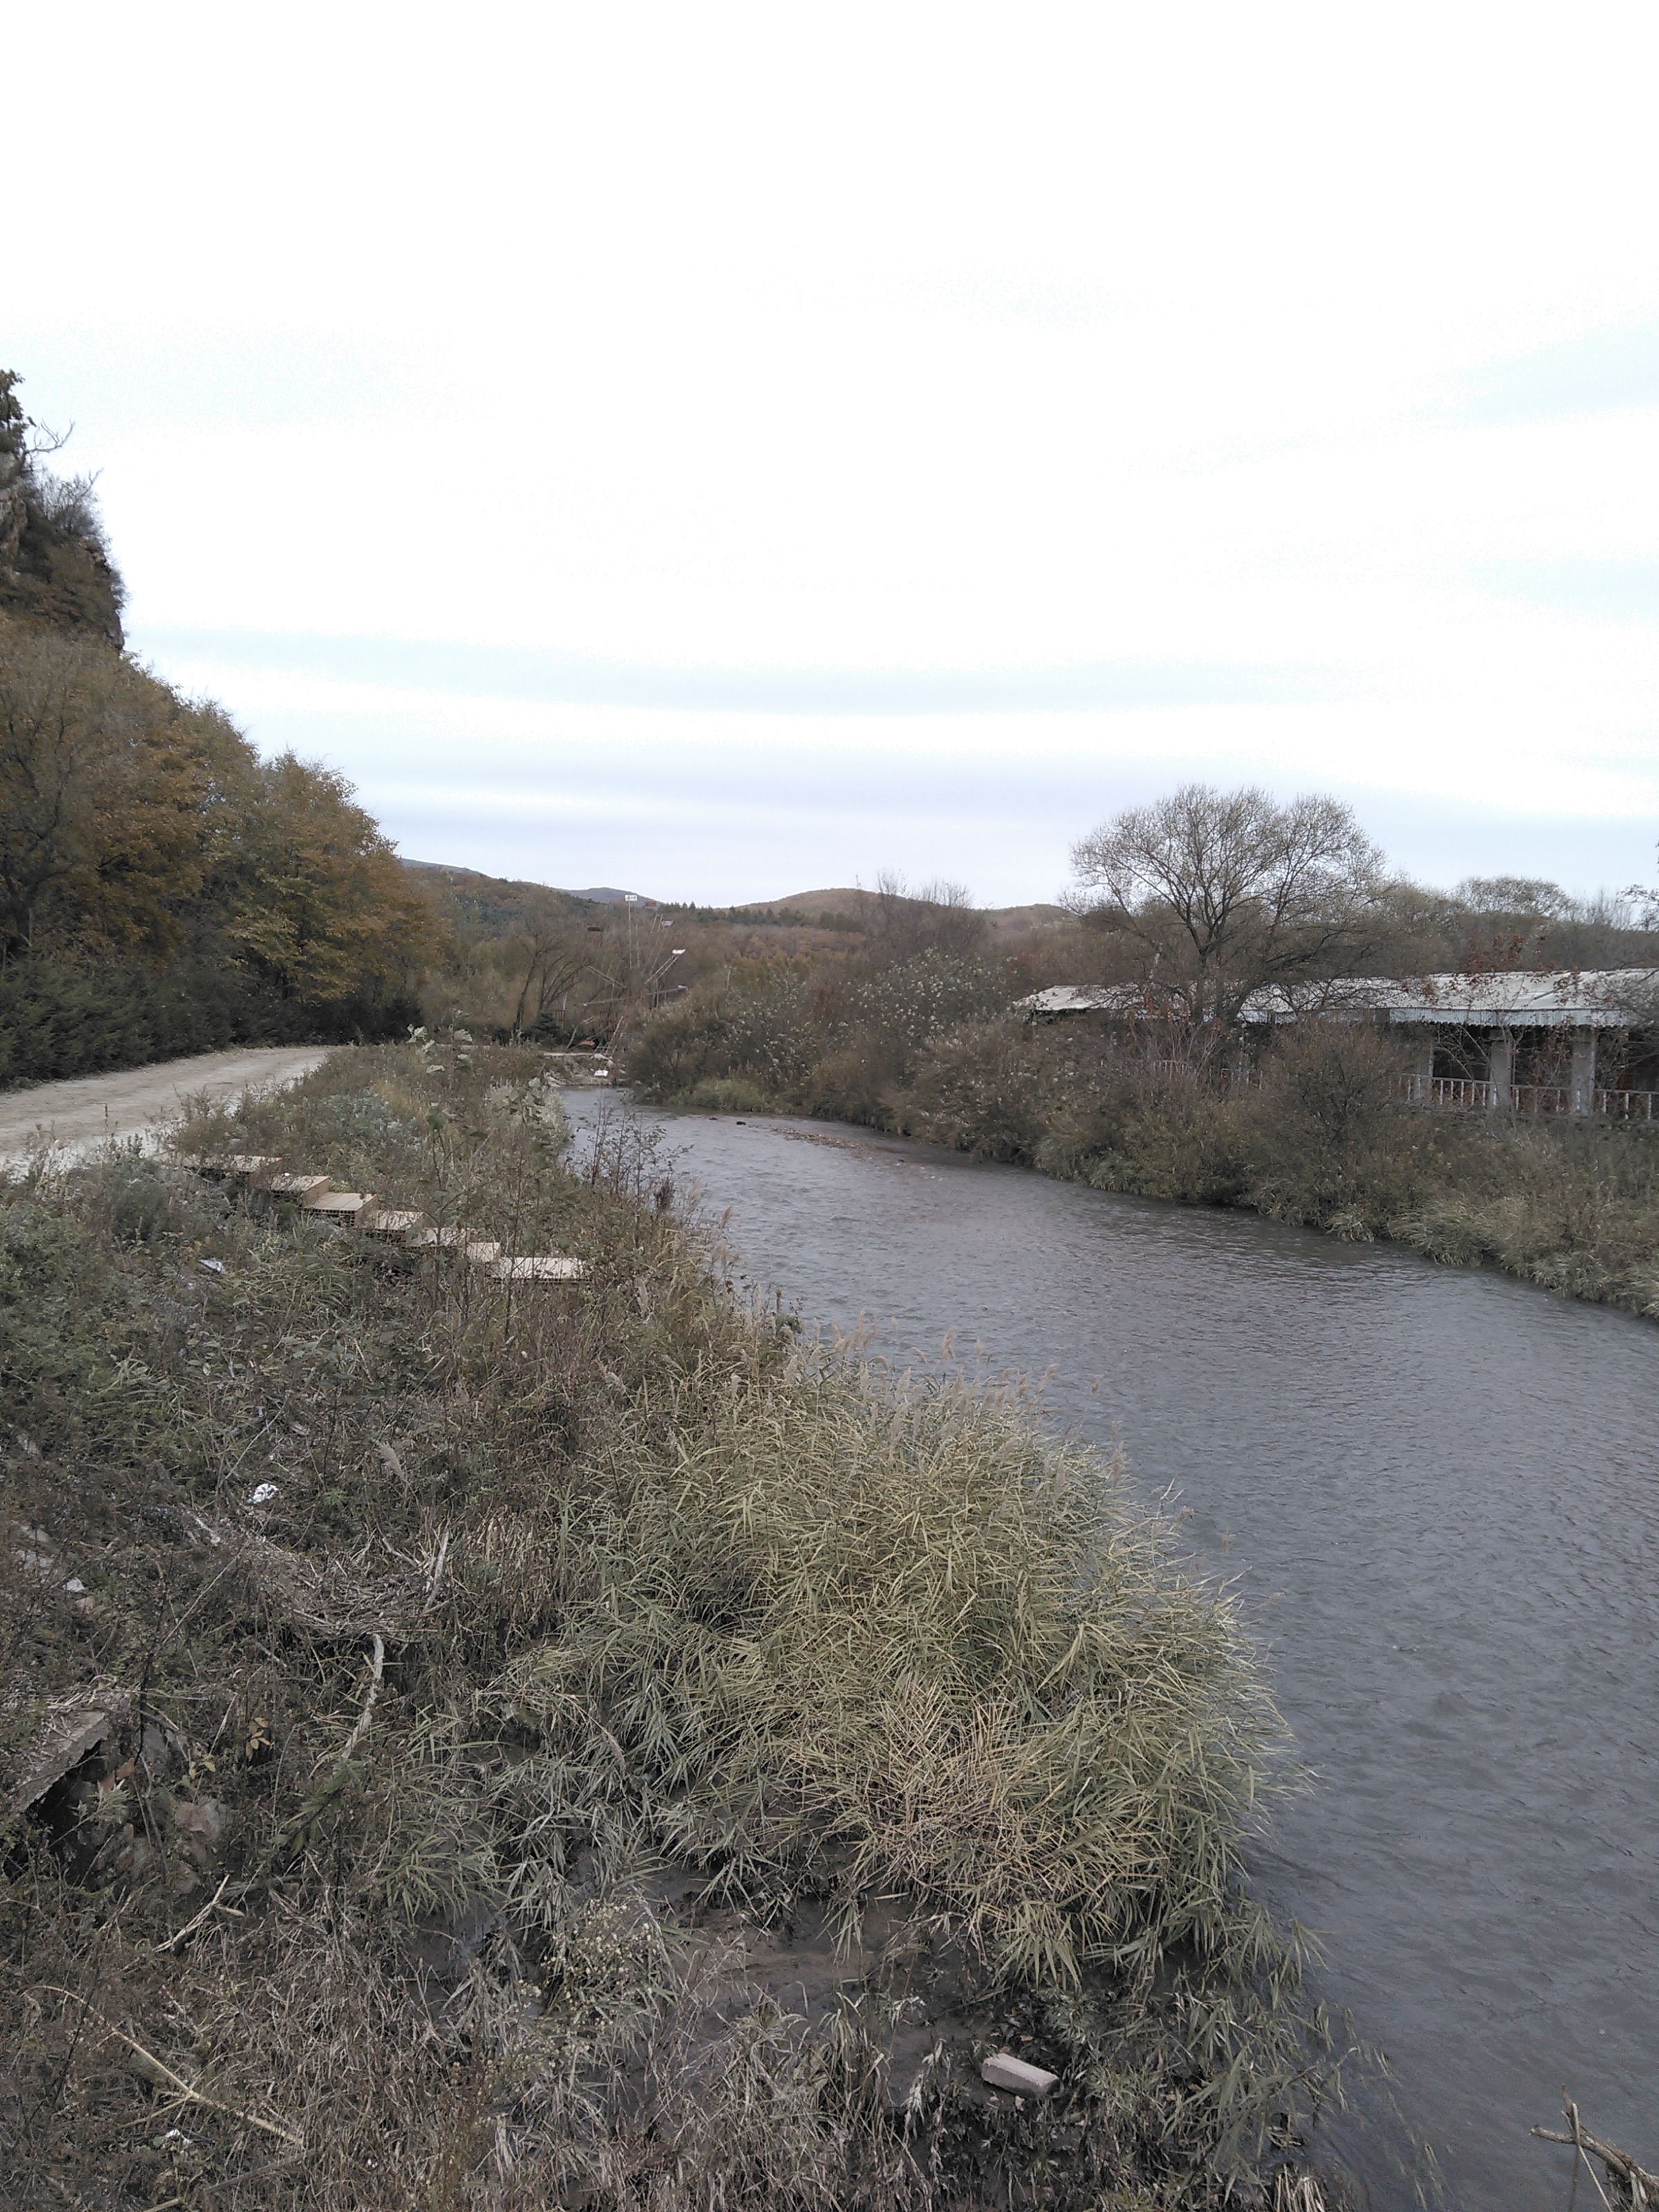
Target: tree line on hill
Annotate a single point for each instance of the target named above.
(163, 889)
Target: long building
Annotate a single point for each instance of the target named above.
(1532, 1041)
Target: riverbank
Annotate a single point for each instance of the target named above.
(576, 1742)
(1455, 1598)
(1320, 1141)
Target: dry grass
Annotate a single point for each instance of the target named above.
(632, 1761)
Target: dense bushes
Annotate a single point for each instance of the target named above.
(841, 1037)
(61, 1018)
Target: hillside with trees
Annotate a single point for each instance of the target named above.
(163, 889)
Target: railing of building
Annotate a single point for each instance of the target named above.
(1629, 1105)
(1465, 1091)
(1529, 1098)
(1222, 1079)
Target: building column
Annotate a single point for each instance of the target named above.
(1423, 1078)
(1500, 1068)
(1582, 1077)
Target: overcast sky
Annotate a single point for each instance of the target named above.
(725, 450)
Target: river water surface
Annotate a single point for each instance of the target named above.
(1438, 1492)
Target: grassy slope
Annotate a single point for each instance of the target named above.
(753, 1744)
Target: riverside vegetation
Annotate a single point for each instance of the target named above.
(589, 1748)
(1319, 1141)
(909, 1028)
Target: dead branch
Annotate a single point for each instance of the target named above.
(375, 1663)
(161, 2075)
(1643, 2186)
(191, 1926)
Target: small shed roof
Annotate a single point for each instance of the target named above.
(1084, 998)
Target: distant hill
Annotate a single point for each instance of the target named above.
(508, 890)
(830, 902)
(1005, 920)
(501, 901)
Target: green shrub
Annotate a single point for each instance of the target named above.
(994, 1089)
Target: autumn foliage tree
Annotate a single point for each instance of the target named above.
(315, 897)
(104, 782)
(161, 887)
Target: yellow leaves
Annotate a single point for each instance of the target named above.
(103, 785)
(317, 899)
(129, 816)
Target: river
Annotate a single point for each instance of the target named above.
(1438, 1492)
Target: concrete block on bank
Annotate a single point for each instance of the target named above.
(229, 1167)
(455, 1238)
(338, 1204)
(66, 1729)
(1005, 2071)
(540, 1268)
(390, 1221)
(300, 1188)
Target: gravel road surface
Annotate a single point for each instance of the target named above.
(81, 1114)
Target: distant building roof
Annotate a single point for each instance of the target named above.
(1606, 998)
(1084, 998)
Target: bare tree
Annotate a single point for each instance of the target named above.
(629, 965)
(936, 917)
(554, 952)
(1227, 891)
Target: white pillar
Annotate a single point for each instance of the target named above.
(1500, 1068)
(1584, 1070)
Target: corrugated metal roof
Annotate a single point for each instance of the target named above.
(1606, 998)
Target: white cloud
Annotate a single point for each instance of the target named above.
(897, 338)
(722, 806)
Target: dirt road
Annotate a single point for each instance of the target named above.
(80, 1114)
